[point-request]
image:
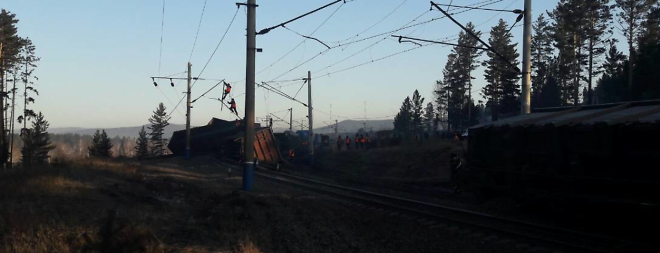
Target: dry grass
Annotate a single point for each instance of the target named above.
(120, 206)
(53, 208)
(106, 206)
(248, 247)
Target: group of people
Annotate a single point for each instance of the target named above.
(232, 103)
(360, 142)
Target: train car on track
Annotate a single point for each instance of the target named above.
(225, 139)
(605, 152)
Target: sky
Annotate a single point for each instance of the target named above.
(97, 57)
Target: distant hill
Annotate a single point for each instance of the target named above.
(112, 132)
(346, 126)
(349, 126)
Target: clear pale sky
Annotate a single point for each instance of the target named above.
(97, 56)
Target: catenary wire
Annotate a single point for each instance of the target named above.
(198, 27)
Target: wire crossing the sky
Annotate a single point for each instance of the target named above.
(197, 34)
(264, 31)
(210, 58)
(162, 25)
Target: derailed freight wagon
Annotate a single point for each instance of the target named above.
(225, 138)
(605, 152)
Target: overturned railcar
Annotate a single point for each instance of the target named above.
(609, 152)
(225, 138)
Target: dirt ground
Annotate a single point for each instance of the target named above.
(176, 206)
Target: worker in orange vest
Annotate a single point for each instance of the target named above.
(232, 106)
(357, 141)
(362, 141)
(348, 142)
(292, 154)
(227, 91)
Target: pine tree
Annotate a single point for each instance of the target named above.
(646, 71)
(612, 86)
(569, 33)
(159, 120)
(467, 61)
(451, 93)
(542, 54)
(101, 145)
(142, 148)
(550, 93)
(417, 112)
(599, 18)
(403, 119)
(631, 14)
(613, 61)
(11, 44)
(429, 118)
(36, 143)
(441, 98)
(96, 143)
(455, 90)
(502, 90)
(29, 62)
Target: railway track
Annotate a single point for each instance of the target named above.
(565, 239)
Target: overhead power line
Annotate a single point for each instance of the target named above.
(218, 45)
(372, 61)
(268, 87)
(264, 31)
(476, 37)
(162, 26)
(375, 24)
(516, 11)
(367, 47)
(388, 33)
(209, 90)
(211, 57)
(308, 37)
(301, 42)
(197, 34)
(434, 41)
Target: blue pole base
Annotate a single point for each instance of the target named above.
(248, 176)
(187, 155)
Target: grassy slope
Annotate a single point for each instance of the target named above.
(102, 206)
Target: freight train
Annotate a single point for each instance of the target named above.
(607, 153)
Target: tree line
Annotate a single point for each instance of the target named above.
(146, 145)
(574, 61)
(18, 61)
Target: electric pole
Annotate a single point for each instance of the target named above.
(309, 111)
(526, 71)
(336, 128)
(248, 140)
(291, 120)
(188, 113)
